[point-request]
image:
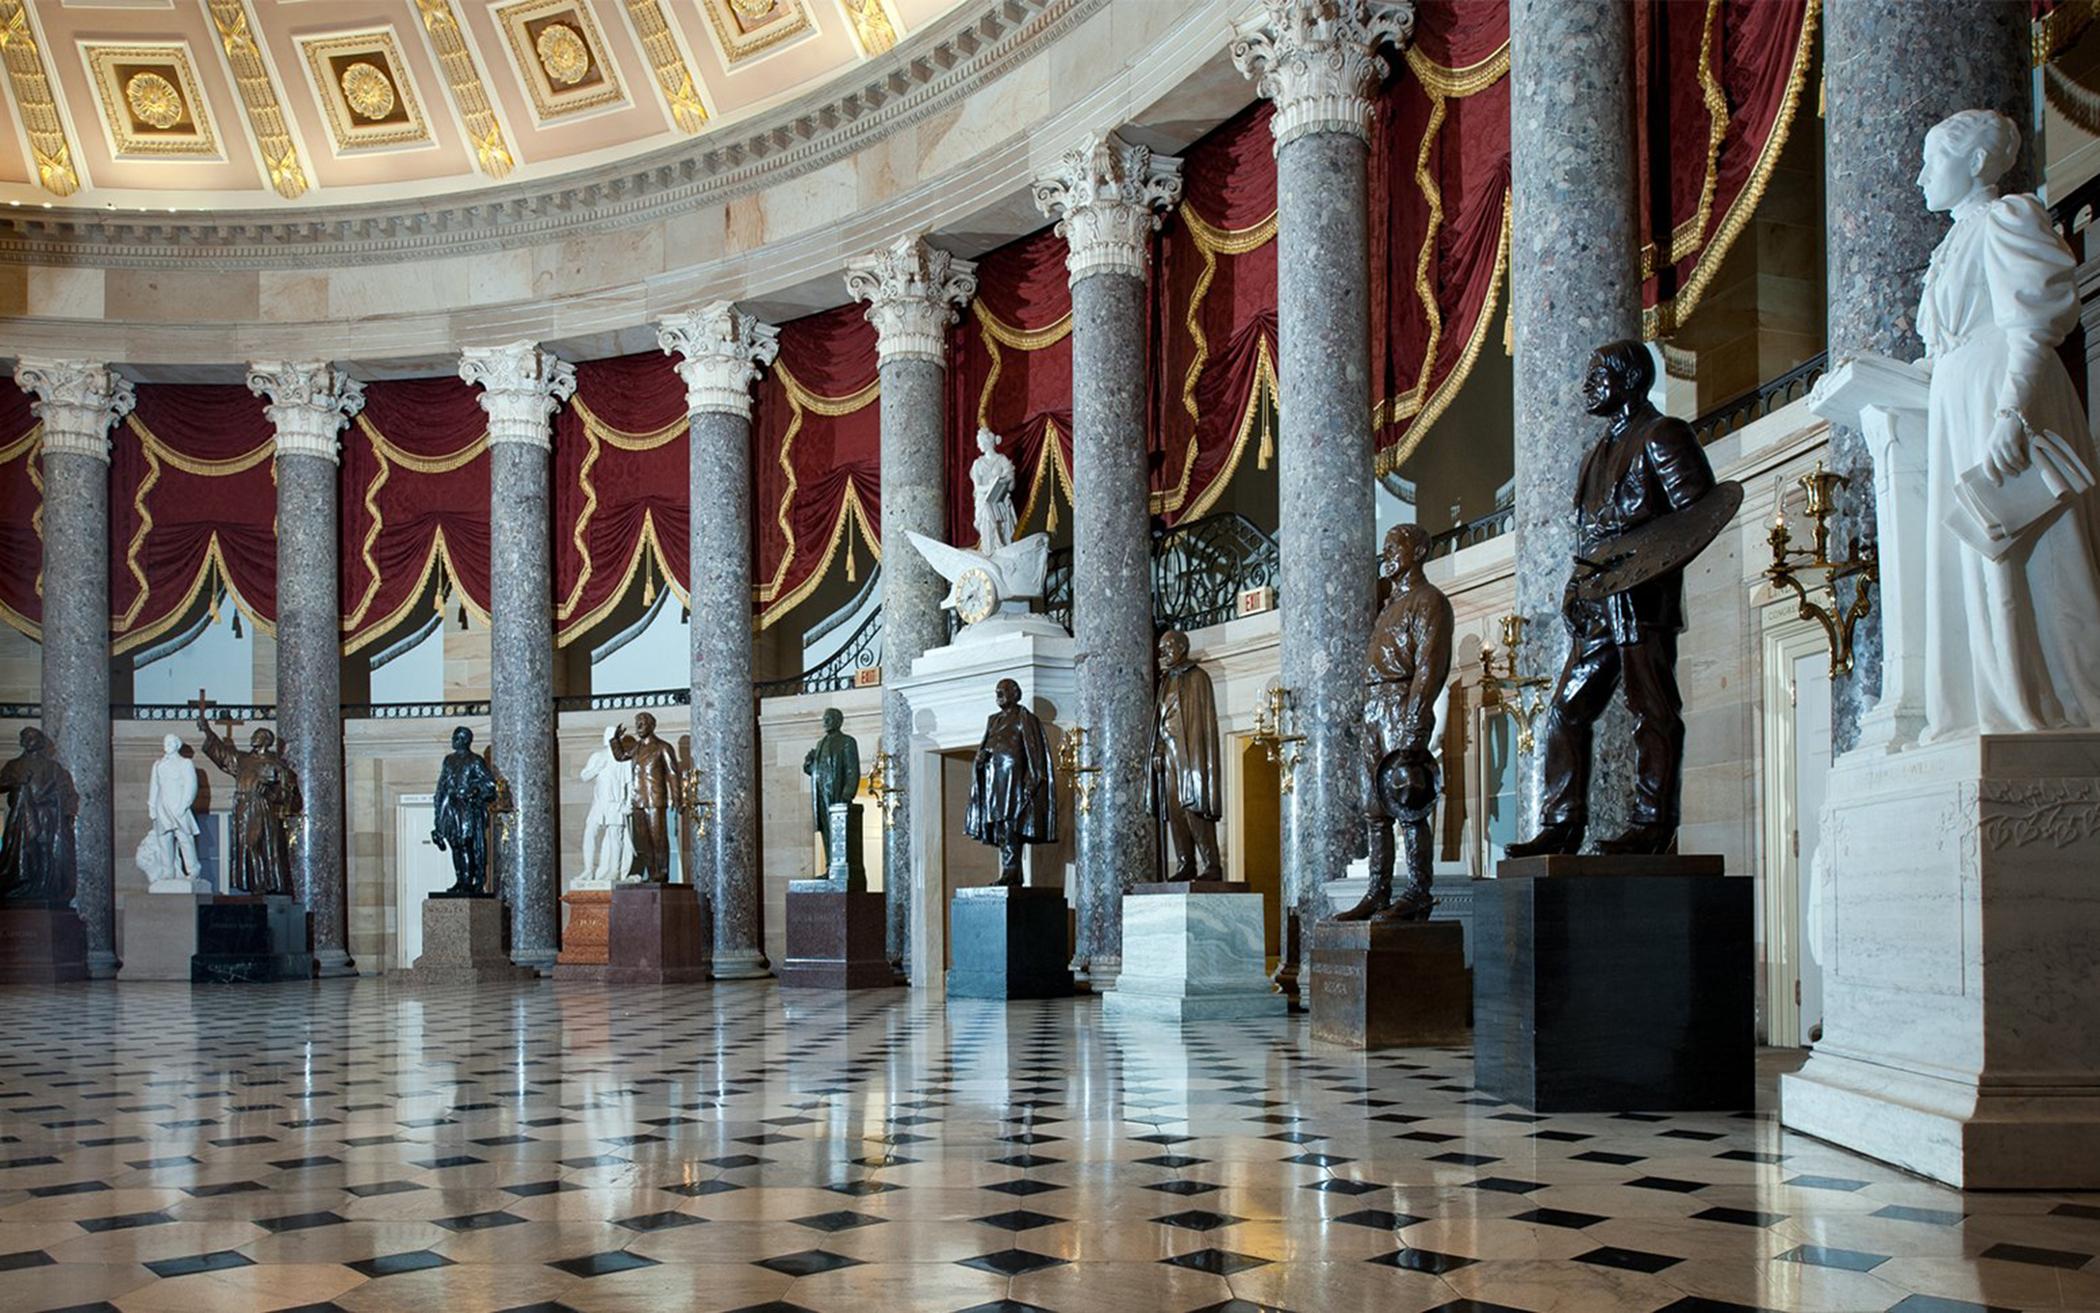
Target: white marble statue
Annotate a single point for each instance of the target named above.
(2012, 579)
(168, 853)
(992, 481)
(608, 839)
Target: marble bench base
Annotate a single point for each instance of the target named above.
(1192, 951)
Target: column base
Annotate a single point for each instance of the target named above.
(741, 964)
(103, 965)
(1008, 943)
(658, 934)
(1195, 954)
(463, 943)
(1285, 976)
(1384, 985)
(333, 963)
(42, 945)
(160, 935)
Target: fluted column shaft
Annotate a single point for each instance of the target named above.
(309, 404)
(78, 401)
(522, 387)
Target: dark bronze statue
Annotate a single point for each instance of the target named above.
(1405, 667)
(1013, 799)
(1188, 766)
(36, 849)
(656, 784)
(265, 804)
(1646, 467)
(467, 790)
(833, 767)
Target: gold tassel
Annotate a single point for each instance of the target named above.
(1052, 517)
(648, 584)
(852, 576)
(1267, 451)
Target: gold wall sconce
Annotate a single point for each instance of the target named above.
(1071, 760)
(1272, 733)
(1519, 697)
(1811, 573)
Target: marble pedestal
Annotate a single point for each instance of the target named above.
(463, 943)
(1384, 984)
(248, 939)
(585, 937)
(1008, 943)
(658, 934)
(41, 945)
(160, 935)
(1192, 951)
(1960, 982)
(1614, 984)
(834, 938)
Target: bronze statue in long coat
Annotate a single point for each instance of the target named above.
(459, 823)
(833, 767)
(1188, 763)
(1013, 797)
(36, 850)
(265, 801)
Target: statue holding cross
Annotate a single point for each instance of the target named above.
(266, 803)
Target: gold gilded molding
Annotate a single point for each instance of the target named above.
(667, 62)
(32, 84)
(150, 101)
(367, 98)
(368, 90)
(491, 152)
(746, 27)
(871, 25)
(259, 98)
(153, 99)
(560, 57)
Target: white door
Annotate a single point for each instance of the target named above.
(423, 871)
(1811, 774)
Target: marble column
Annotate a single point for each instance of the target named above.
(723, 351)
(1107, 196)
(913, 293)
(1879, 100)
(78, 401)
(1574, 285)
(309, 403)
(521, 388)
(1320, 62)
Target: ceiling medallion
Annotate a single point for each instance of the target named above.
(752, 8)
(154, 99)
(369, 91)
(563, 53)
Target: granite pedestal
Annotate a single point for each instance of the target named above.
(1614, 984)
(584, 939)
(1192, 951)
(41, 945)
(1008, 943)
(160, 936)
(463, 943)
(248, 939)
(658, 934)
(834, 938)
(1382, 984)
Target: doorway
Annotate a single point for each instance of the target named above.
(1260, 833)
(1796, 774)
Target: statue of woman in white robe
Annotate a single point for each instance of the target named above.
(2012, 644)
(992, 480)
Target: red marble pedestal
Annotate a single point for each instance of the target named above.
(41, 945)
(658, 934)
(586, 937)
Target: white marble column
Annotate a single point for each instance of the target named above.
(913, 293)
(1320, 62)
(723, 351)
(78, 401)
(1107, 196)
(309, 403)
(522, 386)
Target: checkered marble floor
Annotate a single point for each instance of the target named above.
(357, 1145)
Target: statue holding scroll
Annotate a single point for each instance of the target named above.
(36, 848)
(266, 805)
(1013, 797)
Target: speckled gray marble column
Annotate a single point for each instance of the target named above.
(522, 387)
(1881, 96)
(912, 291)
(1574, 285)
(722, 351)
(1106, 195)
(1319, 61)
(309, 404)
(78, 401)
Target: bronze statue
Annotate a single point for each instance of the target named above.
(1623, 622)
(36, 849)
(466, 791)
(265, 801)
(1013, 799)
(1406, 664)
(656, 784)
(833, 767)
(1188, 767)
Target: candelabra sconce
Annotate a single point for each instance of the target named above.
(1072, 763)
(690, 802)
(1516, 696)
(1272, 734)
(1811, 573)
(882, 775)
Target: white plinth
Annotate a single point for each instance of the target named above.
(1193, 957)
(1960, 978)
(160, 936)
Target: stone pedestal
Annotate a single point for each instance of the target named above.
(248, 939)
(834, 938)
(659, 934)
(1380, 985)
(1192, 951)
(463, 943)
(41, 945)
(160, 935)
(1614, 984)
(1959, 978)
(584, 938)
(1008, 943)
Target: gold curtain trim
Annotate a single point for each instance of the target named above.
(1211, 242)
(26, 447)
(819, 403)
(439, 553)
(23, 445)
(646, 548)
(389, 456)
(2056, 30)
(623, 439)
(1022, 339)
(138, 537)
(204, 469)
(1051, 458)
(22, 624)
(802, 401)
(1440, 401)
(851, 511)
(1460, 81)
(1265, 385)
(214, 559)
(392, 455)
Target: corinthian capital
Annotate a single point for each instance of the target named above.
(1319, 60)
(724, 351)
(77, 400)
(1106, 196)
(913, 291)
(521, 388)
(310, 402)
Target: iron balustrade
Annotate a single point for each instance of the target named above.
(1200, 569)
(1760, 401)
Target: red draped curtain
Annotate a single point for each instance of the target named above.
(620, 482)
(192, 506)
(1010, 370)
(415, 489)
(21, 513)
(817, 437)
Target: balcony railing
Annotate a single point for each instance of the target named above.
(1200, 569)
(1759, 402)
(1492, 525)
(840, 670)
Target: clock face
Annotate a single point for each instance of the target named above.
(976, 596)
